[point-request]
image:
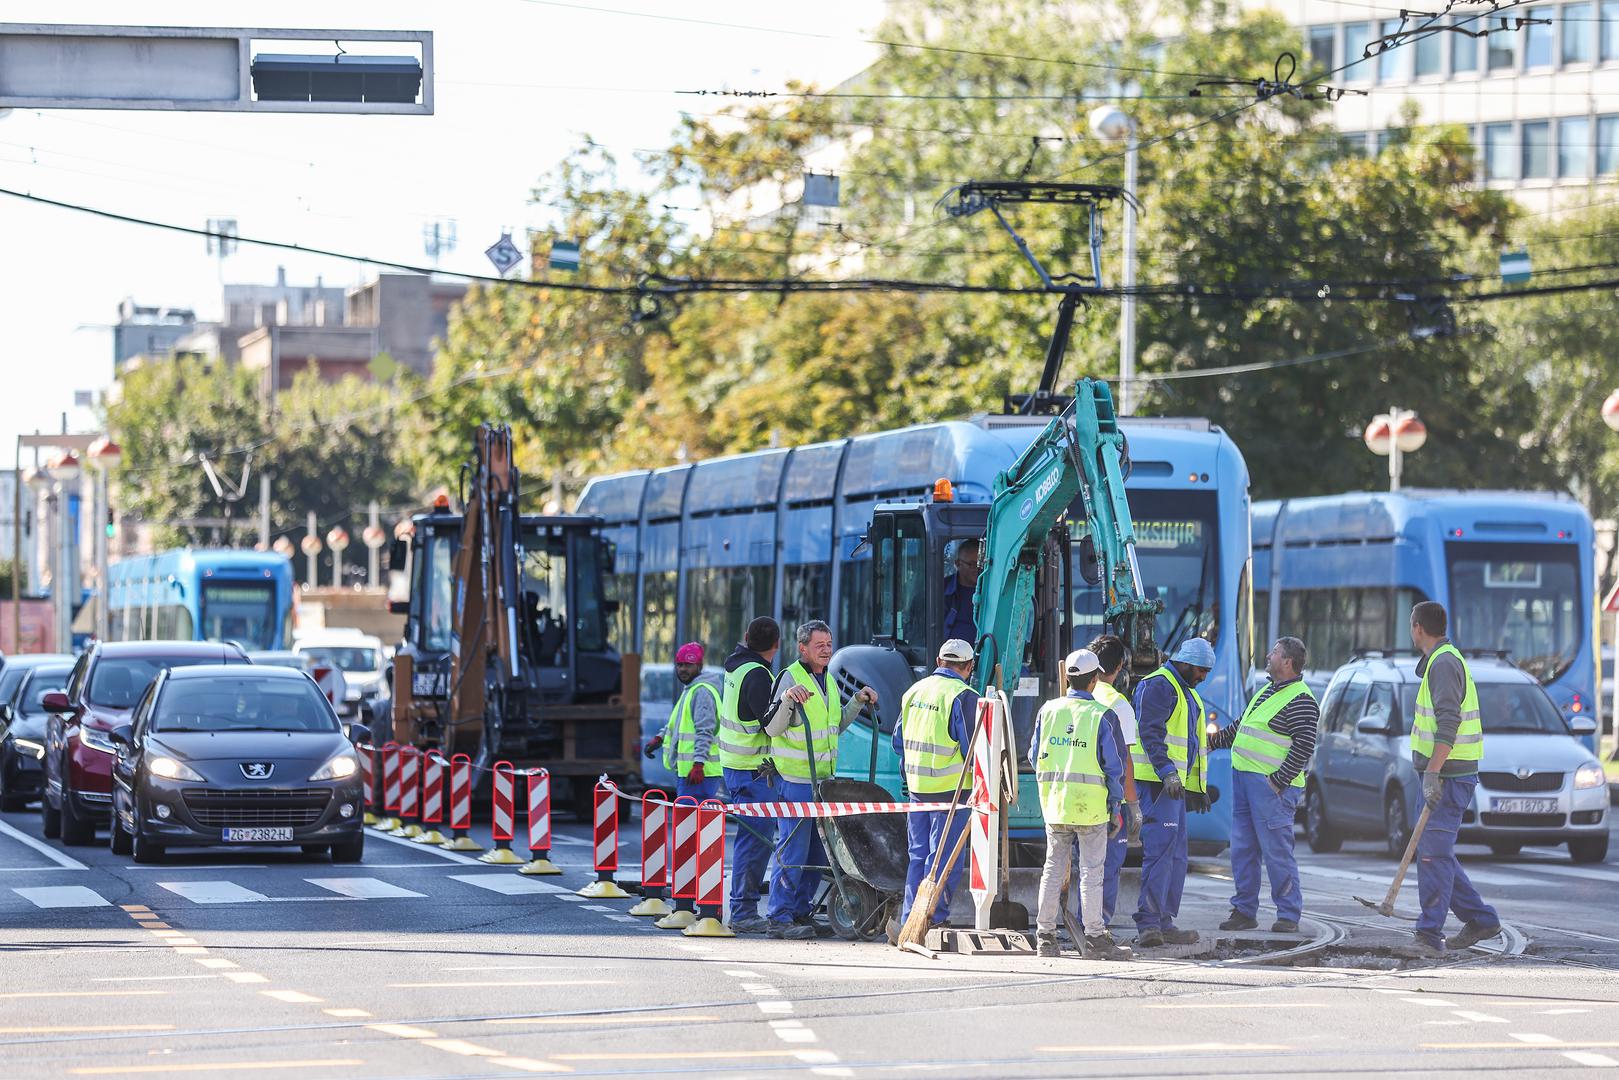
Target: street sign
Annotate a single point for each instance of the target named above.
(820, 190)
(1515, 267)
(504, 254)
(1610, 605)
(564, 256)
(383, 367)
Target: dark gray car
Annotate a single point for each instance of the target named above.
(234, 755)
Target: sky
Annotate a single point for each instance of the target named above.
(518, 84)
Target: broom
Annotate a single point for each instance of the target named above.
(927, 893)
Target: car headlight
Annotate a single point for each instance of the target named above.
(96, 739)
(171, 769)
(29, 746)
(341, 766)
(1589, 776)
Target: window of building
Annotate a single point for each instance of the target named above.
(1353, 142)
(1607, 145)
(1498, 160)
(1536, 147)
(1430, 55)
(1609, 29)
(1322, 39)
(1578, 33)
(1463, 49)
(1502, 51)
(1356, 37)
(1537, 39)
(1574, 148)
(1391, 62)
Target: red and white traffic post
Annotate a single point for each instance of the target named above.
(605, 837)
(409, 792)
(368, 771)
(684, 867)
(710, 892)
(432, 798)
(539, 824)
(461, 805)
(390, 787)
(503, 793)
(654, 854)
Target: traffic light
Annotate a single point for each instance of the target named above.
(111, 526)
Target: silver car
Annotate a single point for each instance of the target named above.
(1538, 784)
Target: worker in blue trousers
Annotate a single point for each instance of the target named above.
(1110, 654)
(745, 759)
(1169, 764)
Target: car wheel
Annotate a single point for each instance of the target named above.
(349, 851)
(117, 839)
(1589, 849)
(1324, 840)
(1506, 851)
(8, 801)
(77, 830)
(1397, 823)
(50, 818)
(144, 850)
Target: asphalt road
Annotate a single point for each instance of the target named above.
(423, 963)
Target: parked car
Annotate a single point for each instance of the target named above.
(287, 658)
(360, 658)
(106, 682)
(23, 686)
(215, 755)
(1538, 784)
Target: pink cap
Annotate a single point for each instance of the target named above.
(689, 653)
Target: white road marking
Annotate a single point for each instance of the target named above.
(217, 962)
(1478, 1017)
(1595, 1061)
(1496, 877)
(212, 892)
(363, 888)
(1559, 1012)
(1534, 1038)
(201, 867)
(1432, 1003)
(244, 977)
(508, 884)
(67, 862)
(291, 997)
(1590, 873)
(36, 869)
(570, 898)
(62, 896)
(628, 919)
(761, 988)
(150, 978)
(452, 856)
(597, 907)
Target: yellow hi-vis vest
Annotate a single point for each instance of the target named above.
(1184, 724)
(1108, 696)
(1068, 764)
(1259, 747)
(740, 747)
(680, 744)
(933, 761)
(816, 730)
(1470, 736)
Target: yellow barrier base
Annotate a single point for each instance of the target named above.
(431, 836)
(708, 927)
(540, 866)
(500, 857)
(370, 818)
(411, 831)
(652, 905)
(679, 920)
(388, 824)
(603, 890)
(461, 843)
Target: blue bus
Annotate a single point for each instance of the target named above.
(202, 594)
(1513, 568)
(703, 548)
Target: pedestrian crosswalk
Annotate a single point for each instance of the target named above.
(223, 891)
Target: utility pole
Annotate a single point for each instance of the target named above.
(264, 510)
(311, 546)
(373, 528)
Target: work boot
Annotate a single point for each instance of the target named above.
(1239, 921)
(1103, 947)
(1285, 926)
(1428, 948)
(755, 925)
(1149, 939)
(1472, 934)
(821, 928)
(792, 931)
(1046, 944)
(1174, 935)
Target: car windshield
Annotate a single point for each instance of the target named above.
(344, 657)
(1520, 598)
(240, 611)
(1513, 708)
(117, 682)
(246, 703)
(45, 680)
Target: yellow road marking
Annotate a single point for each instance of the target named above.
(88, 1027)
(1159, 1048)
(215, 1066)
(178, 941)
(529, 1064)
(672, 1018)
(154, 925)
(189, 950)
(345, 1012)
(82, 993)
(134, 907)
(678, 1055)
(292, 997)
(461, 1046)
(1238, 1005)
(404, 1031)
(168, 933)
(463, 985)
(244, 977)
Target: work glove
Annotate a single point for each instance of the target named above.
(1132, 811)
(1197, 802)
(653, 745)
(1432, 788)
(1174, 788)
(696, 775)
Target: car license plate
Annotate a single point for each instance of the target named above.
(258, 836)
(1524, 806)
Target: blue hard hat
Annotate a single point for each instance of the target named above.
(1195, 651)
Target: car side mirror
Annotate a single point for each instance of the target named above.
(1372, 725)
(399, 607)
(359, 733)
(398, 555)
(56, 702)
(1583, 725)
(7, 714)
(123, 735)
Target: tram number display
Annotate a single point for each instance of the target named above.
(1168, 535)
(1512, 575)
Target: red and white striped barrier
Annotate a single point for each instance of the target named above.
(368, 769)
(432, 798)
(409, 791)
(710, 873)
(504, 795)
(654, 854)
(984, 877)
(684, 867)
(390, 786)
(605, 835)
(461, 805)
(539, 824)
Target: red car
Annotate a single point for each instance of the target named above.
(106, 683)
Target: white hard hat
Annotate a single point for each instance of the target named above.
(956, 651)
(1082, 662)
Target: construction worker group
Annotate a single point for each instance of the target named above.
(1110, 770)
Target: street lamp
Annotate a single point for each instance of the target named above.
(1395, 434)
(65, 471)
(1112, 124)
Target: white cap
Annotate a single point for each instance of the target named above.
(956, 651)
(1082, 662)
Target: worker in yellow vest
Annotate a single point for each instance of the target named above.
(1447, 743)
(935, 728)
(1270, 749)
(1111, 654)
(806, 717)
(745, 760)
(690, 741)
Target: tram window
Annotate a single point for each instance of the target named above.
(854, 602)
(658, 615)
(721, 601)
(805, 595)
